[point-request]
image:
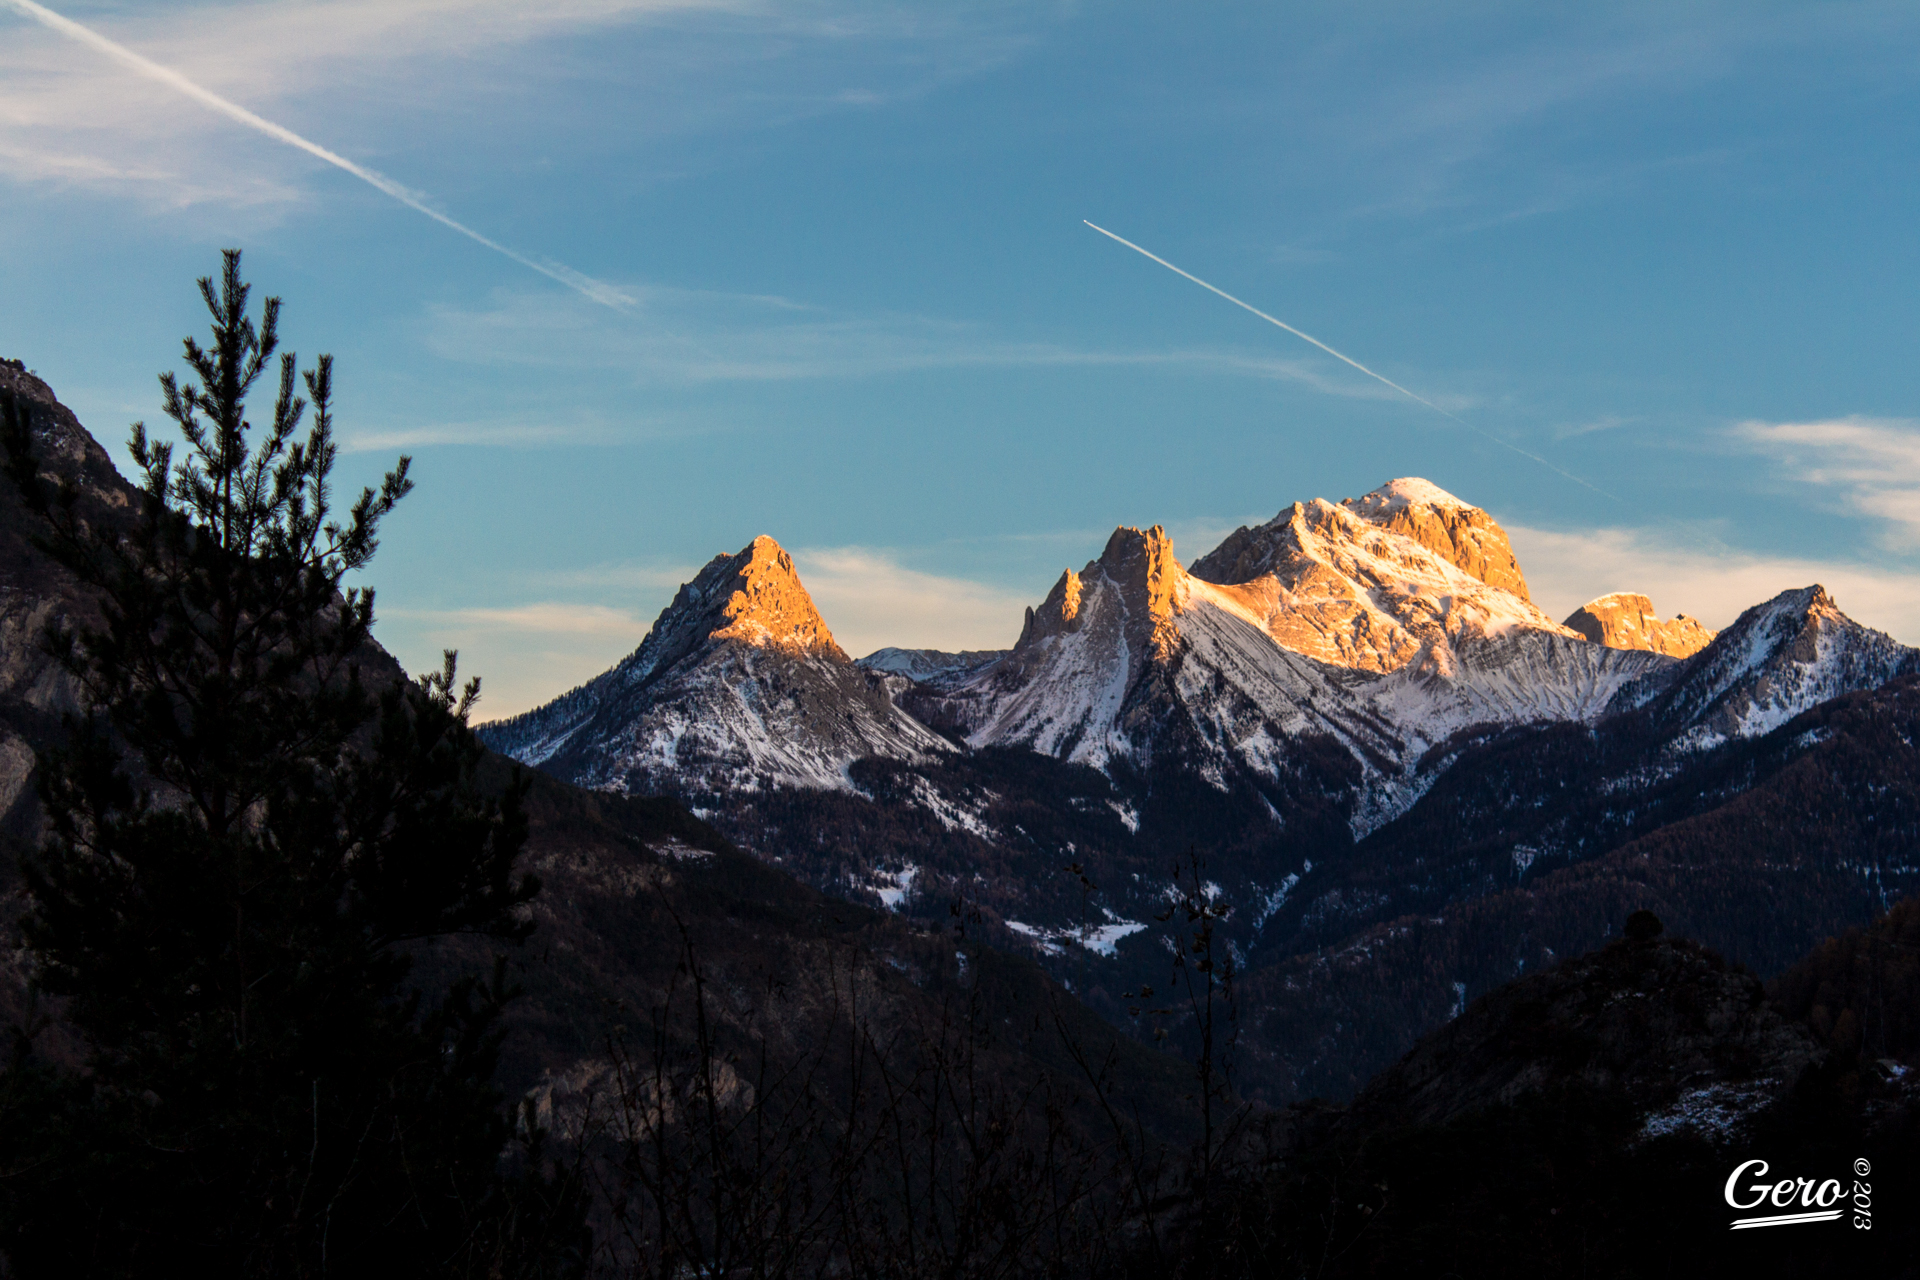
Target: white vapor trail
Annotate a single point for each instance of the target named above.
(1350, 360)
(600, 292)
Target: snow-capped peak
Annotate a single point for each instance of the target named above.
(1776, 660)
(1398, 495)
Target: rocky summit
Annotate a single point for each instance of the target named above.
(1624, 620)
(738, 686)
(1354, 622)
(1381, 627)
(1462, 534)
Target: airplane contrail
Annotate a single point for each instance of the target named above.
(600, 292)
(1350, 360)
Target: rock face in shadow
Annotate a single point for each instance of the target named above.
(1624, 620)
(1586, 1121)
(1775, 661)
(34, 692)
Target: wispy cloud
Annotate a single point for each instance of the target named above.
(525, 654)
(532, 434)
(1869, 466)
(1605, 422)
(559, 272)
(546, 617)
(1567, 568)
(372, 75)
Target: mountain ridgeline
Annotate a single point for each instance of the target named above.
(1411, 784)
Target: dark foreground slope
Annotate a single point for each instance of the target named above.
(1586, 1121)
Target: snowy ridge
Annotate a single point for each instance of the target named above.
(930, 666)
(1385, 627)
(1777, 660)
(1398, 495)
(1063, 693)
(1327, 582)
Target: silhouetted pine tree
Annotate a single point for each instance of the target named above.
(245, 842)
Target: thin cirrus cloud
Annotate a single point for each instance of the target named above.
(170, 78)
(1869, 466)
(369, 73)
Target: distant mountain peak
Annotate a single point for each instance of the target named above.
(1142, 564)
(1338, 585)
(1774, 661)
(1057, 614)
(1626, 620)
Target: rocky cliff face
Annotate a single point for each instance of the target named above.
(738, 686)
(1371, 582)
(1624, 620)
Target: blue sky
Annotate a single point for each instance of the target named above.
(1669, 248)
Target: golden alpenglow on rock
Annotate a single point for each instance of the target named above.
(768, 606)
(1371, 582)
(739, 686)
(1625, 620)
(1463, 535)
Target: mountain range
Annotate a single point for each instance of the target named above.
(1353, 715)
